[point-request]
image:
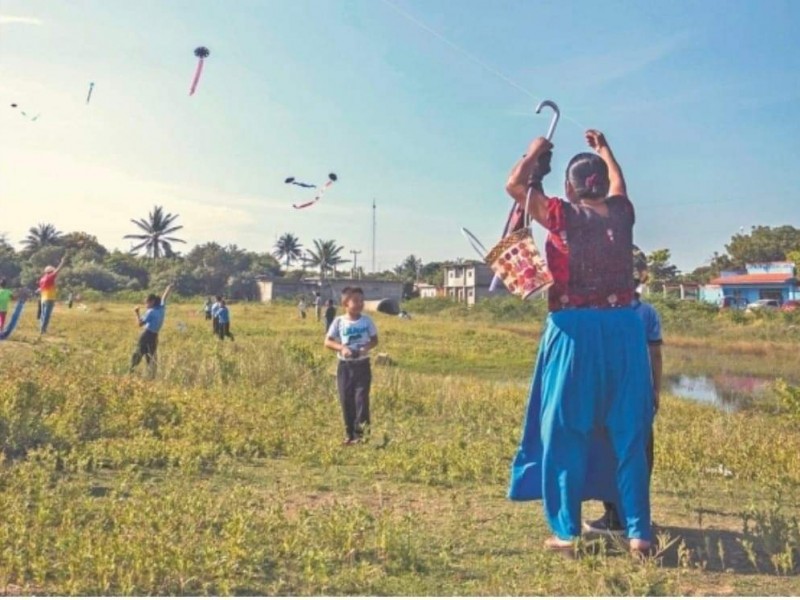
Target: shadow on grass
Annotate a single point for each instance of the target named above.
(720, 551)
(711, 550)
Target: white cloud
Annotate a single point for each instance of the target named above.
(76, 196)
(11, 20)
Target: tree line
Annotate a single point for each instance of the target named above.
(211, 268)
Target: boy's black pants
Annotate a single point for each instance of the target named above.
(146, 348)
(224, 330)
(353, 378)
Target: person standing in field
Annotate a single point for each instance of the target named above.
(214, 319)
(591, 384)
(301, 307)
(208, 307)
(330, 314)
(151, 324)
(610, 522)
(318, 306)
(47, 288)
(352, 335)
(223, 317)
(5, 299)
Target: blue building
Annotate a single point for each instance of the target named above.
(773, 281)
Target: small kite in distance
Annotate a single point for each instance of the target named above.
(332, 178)
(89, 95)
(201, 52)
(24, 114)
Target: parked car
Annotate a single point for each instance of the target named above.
(733, 302)
(790, 305)
(764, 304)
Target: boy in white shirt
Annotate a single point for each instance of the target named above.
(352, 335)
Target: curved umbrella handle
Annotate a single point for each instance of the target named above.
(475, 243)
(554, 120)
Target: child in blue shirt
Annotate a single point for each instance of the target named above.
(151, 324)
(223, 317)
(352, 335)
(610, 523)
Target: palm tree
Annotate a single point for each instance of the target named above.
(157, 228)
(326, 256)
(288, 248)
(44, 234)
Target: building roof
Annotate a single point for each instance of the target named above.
(755, 279)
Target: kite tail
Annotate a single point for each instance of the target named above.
(316, 199)
(12, 324)
(196, 79)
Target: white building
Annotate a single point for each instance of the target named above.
(469, 283)
(426, 290)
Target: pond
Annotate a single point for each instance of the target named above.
(726, 392)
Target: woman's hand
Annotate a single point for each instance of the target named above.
(596, 140)
(538, 146)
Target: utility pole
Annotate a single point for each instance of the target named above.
(373, 235)
(355, 254)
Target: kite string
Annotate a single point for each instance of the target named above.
(408, 16)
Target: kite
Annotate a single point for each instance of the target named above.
(89, 95)
(12, 324)
(293, 181)
(321, 189)
(23, 113)
(201, 52)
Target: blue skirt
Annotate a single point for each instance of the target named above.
(587, 421)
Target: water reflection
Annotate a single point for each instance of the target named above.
(726, 392)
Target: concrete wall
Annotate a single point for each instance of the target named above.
(289, 289)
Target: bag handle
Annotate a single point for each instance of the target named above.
(475, 243)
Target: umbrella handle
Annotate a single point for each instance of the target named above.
(554, 120)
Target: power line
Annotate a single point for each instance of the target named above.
(485, 66)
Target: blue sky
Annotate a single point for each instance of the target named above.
(422, 105)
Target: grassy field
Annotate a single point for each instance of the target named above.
(225, 473)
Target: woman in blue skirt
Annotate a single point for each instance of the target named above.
(591, 407)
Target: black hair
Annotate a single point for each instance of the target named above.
(349, 292)
(156, 300)
(219, 298)
(3, 282)
(639, 266)
(587, 173)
